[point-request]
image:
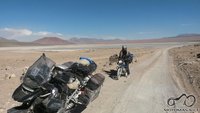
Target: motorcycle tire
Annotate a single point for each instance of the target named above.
(119, 73)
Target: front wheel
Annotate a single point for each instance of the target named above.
(119, 73)
(126, 74)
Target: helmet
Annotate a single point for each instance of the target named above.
(124, 48)
(85, 61)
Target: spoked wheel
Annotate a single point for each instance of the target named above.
(126, 74)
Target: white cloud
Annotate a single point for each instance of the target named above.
(45, 33)
(59, 34)
(18, 31)
(41, 33)
(25, 34)
(13, 33)
(29, 35)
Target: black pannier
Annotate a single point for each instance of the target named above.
(82, 69)
(64, 77)
(95, 81)
(129, 57)
(89, 96)
(49, 105)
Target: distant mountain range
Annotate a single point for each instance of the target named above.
(14, 43)
(187, 35)
(7, 40)
(94, 41)
(52, 41)
(178, 38)
(75, 40)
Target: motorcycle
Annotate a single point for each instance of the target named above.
(46, 89)
(121, 69)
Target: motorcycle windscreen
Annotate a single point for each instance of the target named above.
(39, 72)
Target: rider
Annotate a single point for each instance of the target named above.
(122, 56)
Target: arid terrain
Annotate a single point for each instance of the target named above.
(13, 62)
(152, 82)
(187, 63)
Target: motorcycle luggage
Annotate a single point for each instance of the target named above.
(49, 105)
(129, 58)
(64, 77)
(84, 99)
(82, 69)
(89, 95)
(95, 81)
(68, 64)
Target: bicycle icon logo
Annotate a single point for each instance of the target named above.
(189, 100)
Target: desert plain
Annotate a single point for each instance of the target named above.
(153, 80)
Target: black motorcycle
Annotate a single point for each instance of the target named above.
(45, 89)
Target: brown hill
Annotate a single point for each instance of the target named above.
(58, 41)
(14, 43)
(179, 38)
(52, 41)
(7, 40)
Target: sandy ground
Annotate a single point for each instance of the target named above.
(14, 61)
(187, 67)
(151, 83)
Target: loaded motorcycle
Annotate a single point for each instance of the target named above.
(121, 69)
(48, 88)
(123, 65)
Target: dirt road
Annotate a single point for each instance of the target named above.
(147, 90)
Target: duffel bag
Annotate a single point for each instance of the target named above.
(129, 58)
(95, 81)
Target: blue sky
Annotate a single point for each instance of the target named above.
(27, 20)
